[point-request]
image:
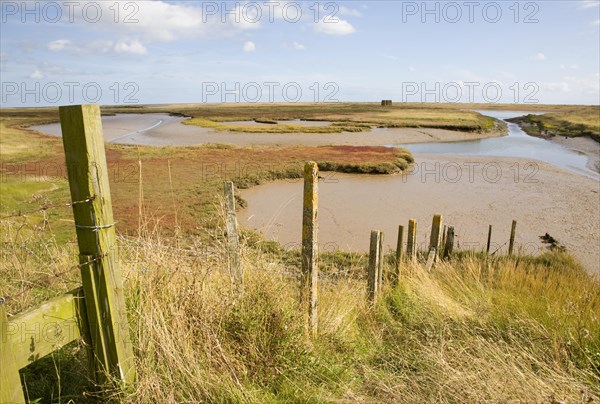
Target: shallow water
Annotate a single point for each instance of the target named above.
(516, 144)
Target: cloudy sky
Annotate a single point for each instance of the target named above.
(56, 53)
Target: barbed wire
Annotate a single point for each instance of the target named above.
(47, 207)
(48, 278)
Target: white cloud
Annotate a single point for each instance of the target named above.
(349, 11)
(58, 45)
(539, 56)
(298, 46)
(133, 47)
(589, 3)
(572, 67)
(597, 22)
(391, 57)
(412, 69)
(556, 86)
(249, 46)
(339, 27)
(36, 74)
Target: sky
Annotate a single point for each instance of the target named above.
(151, 52)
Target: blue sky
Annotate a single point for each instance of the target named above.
(56, 53)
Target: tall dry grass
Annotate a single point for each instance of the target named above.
(522, 329)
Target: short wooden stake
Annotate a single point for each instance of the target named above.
(233, 241)
(434, 240)
(443, 242)
(449, 246)
(374, 265)
(489, 240)
(411, 241)
(399, 254)
(310, 270)
(431, 259)
(101, 276)
(11, 390)
(511, 243)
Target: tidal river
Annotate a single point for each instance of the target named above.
(546, 187)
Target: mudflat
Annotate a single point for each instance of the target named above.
(471, 192)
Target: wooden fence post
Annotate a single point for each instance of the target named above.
(431, 258)
(233, 241)
(436, 226)
(310, 270)
(411, 241)
(489, 240)
(449, 246)
(399, 257)
(374, 265)
(443, 242)
(381, 262)
(511, 243)
(11, 390)
(101, 277)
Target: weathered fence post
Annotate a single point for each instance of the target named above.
(443, 242)
(511, 243)
(434, 240)
(431, 258)
(374, 265)
(11, 390)
(233, 241)
(411, 241)
(489, 240)
(449, 246)
(310, 270)
(380, 267)
(92, 210)
(399, 257)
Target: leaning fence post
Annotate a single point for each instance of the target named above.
(374, 265)
(511, 243)
(431, 258)
(310, 270)
(399, 253)
(411, 241)
(94, 224)
(434, 240)
(489, 240)
(449, 246)
(11, 390)
(233, 241)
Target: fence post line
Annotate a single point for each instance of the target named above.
(511, 243)
(434, 239)
(233, 241)
(310, 270)
(11, 390)
(411, 241)
(489, 240)
(449, 246)
(399, 253)
(374, 256)
(381, 262)
(431, 259)
(103, 287)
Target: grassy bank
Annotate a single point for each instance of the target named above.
(508, 329)
(580, 121)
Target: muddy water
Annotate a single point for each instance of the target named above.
(470, 192)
